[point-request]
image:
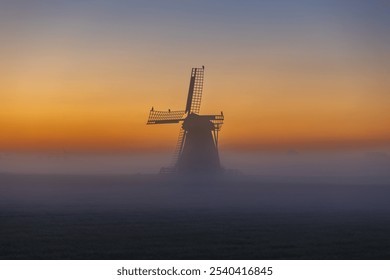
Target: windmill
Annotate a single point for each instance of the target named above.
(197, 145)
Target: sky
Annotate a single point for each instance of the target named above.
(288, 75)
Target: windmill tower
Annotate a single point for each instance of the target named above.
(197, 146)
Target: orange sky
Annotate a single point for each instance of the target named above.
(263, 111)
(91, 87)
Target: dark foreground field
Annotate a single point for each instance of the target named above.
(139, 217)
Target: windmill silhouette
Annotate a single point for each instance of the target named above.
(197, 146)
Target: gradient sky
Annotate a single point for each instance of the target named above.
(82, 75)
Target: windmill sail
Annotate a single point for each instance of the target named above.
(179, 146)
(160, 117)
(193, 106)
(195, 91)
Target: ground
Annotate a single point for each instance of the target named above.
(138, 217)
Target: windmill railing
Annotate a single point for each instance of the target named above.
(217, 120)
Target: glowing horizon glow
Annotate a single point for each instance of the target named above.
(82, 76)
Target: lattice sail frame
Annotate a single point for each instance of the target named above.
(195, 91)
(160, 117)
